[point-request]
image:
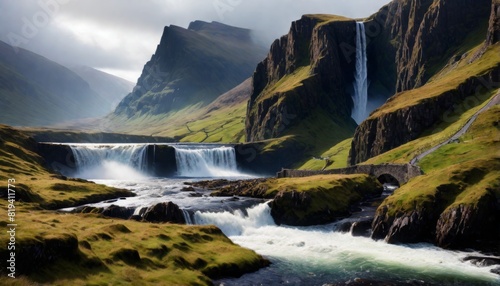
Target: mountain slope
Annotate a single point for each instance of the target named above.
(460, 75)
(110, 88)
(189, 70)
(36, 91)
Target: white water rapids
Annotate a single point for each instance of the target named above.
(300, 255)
(318, 255)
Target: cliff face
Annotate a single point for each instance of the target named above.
(494, 23)
(307, 69)
(409, 39)
(425, 36)
(192, 67)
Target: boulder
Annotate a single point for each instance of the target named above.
(164, 212)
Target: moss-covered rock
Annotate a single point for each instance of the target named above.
(320, 199)
(308, 200)
(455, 207)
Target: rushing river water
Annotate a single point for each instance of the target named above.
(314, 255)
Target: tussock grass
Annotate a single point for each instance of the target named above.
(57, 248)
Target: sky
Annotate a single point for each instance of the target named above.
(119, 36)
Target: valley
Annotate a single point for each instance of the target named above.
(350, 152)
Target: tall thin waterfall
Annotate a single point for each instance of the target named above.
(360, 97)
(205, 161)
(114, 161)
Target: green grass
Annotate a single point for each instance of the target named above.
(437, 134)
(481, 141)
(448, 82)
(286, 83)
(457, 173)
(319, 132)
(327, 18)
(337, 156)
(318, 199)
(463, 183)
(167, 254)
(87, 249)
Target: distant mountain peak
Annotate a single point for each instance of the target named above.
(192, 67)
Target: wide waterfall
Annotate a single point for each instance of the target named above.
(360, 97)
(205, 161)
(112, 161)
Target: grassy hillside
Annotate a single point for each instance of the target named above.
(35, 91)
(56, 248)
(452, 120)
(221, 121)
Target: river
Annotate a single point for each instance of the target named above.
(315, 255)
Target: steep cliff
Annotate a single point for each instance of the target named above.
(434, 67)
(411, 40)
(191, 67)
(308, 71)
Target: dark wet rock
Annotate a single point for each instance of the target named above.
(361, 228)
(164, 212)
(188, 189)
(113, 211)
(482, 261)
(118, 212)
(345, 227)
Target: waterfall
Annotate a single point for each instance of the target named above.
(117, 161)
(187, 217)
(205, 161)
(360, 97)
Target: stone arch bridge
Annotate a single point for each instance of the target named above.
(398, 174)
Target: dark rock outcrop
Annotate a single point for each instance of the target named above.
(164, 212)
(316, 52)
(113, 211)
(465, 225)
(361, 228)
(493, 35)
(409, 38)
(192, 66)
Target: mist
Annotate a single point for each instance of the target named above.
(120, 39)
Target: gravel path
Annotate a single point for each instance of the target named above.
(495, 100)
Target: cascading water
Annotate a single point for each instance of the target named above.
(360, 97)
(317, 255)
(206, 161)
(117, 161)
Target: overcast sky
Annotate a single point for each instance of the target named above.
(119, 36)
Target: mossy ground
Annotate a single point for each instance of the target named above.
(337, 158)
(452, 123)
(463, 183)
(86, 249)
(445, 82)
(333, 194)
(117, 252)
(457, 173)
